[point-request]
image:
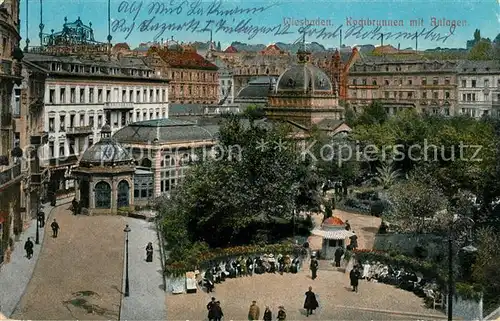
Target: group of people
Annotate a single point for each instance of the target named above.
(28, 245)
(215, 311)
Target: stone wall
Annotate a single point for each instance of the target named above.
(406, 243)
(467, 309)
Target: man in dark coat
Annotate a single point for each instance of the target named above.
(28, 246)
(310, 303)
(354, 275)
(217, 311)
(347, 225)
(55, 228)
(74, 204)
(210, 308)
(41, 218)
(281, 313)
(314, 268)
(268, 314)
(338, 256)
(354, 241)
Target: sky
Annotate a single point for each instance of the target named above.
(265, 22)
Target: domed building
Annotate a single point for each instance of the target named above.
(306, 97)
(104, 177)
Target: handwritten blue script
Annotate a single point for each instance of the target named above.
(202, 17)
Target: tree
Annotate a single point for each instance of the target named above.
(417, 204)
(254, 112)
(387, 175)
(482, 50)
(477, 35)
(373, 114)
(218, 46)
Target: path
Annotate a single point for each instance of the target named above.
(375, 301)
(147, 298)
(16, 274)
(79, 273)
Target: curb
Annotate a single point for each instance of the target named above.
(411, 314)
(36, 263)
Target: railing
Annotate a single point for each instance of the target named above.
(64, 160)
(119, 105)
(79, 130)
(10, 174)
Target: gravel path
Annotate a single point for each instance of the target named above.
(147, 298)
(336, 300)
(16, 274)
(79, 273)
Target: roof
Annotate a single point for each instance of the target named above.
(257, 90)
(183, 58)
(165, 131)
(475, 66)
(304, 77)
(231, 49)
(330, 123)
(333, 221)
(106, 152)
(340, 234)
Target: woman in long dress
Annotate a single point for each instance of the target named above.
(149, 252)
(310, 303)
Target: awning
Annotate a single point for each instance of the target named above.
(333, 234)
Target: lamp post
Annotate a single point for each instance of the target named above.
(469, 248)
(127, 286)
(37, 235)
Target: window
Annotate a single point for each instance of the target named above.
(486, 83)
(102, 195)
(124, 95)
(91, 121)
(123, 194)
(99, 95)
(424, 81)
(435, 81)
(138, 96)
(410, 82)
(447, 95)
(131, 96)
(447, 81)
(410, 94)
(137, 115)
(164, 95)
(435, 95)
(354, 81)
(473, 97)
(82, 95)
(464, 83)
(145, 97)
(151, 95)
(463, 97)
(374, 83)
(62, 95)
(99, 121)
(61, 149)
(387, 82)
(424, 95)
(400, 95)
(51, 149)
(62, 122)
(91, 140)
(400, 82)
(473, 83)
(469, 97)
(72, 95)
(52, 96)
(108, 95)
(71, 120)
(91, 95)
(16, 109)
(51, 124)
(386, 94)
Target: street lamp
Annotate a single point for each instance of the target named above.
(127, 286)
(469, 248)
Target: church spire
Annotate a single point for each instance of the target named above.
(303, 55)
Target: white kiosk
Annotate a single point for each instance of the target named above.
(334, 235)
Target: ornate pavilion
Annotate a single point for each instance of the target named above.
(104, 177)
(334, 235)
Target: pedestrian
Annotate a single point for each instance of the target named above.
(310, 304)
(314, 268)
(217, 311)
(254, 311)
(354, 275)
(338, 256)
(28, 246)
(210, 308)
(268, 314)
(281, 313)
(347, 225)
(55, 228)
(41, 218)
(354, 241)
(149, 252)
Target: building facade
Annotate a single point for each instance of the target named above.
(10, 153)
(193, 79)
(427, 86)
(479, 88)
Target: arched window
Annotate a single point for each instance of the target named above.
(123, 194)
(102, 195)
(146, 163)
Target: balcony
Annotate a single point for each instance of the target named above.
(10, 174)
(40, 139)
(39, 179)
(119, 106)
(79, 131)
(63, 161)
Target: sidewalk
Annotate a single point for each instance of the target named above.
(147, 298)
(15, 275)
